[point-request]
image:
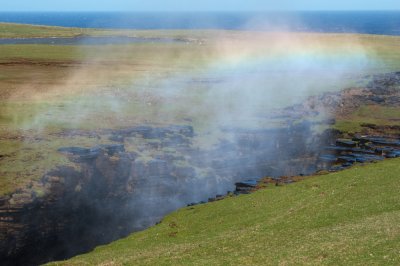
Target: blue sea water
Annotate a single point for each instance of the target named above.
(382, 22)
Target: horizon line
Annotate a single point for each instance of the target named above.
(201, 11)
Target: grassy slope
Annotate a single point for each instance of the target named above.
(372, 114)
(326, 219)
(37, 80)
(40, 85)
(344, 218)
(15, 30)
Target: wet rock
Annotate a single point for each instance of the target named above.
(346, 143)
(346, 159)
(337, 149)
(393, 154)
(360, 150)
(383, 150)
(362, 158)
(384, 141)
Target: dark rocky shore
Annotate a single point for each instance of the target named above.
(114, 191)
(343, 154)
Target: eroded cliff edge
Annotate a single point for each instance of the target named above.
(113, 192)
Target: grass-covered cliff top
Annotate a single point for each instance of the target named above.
(344, 218)
(47, 89)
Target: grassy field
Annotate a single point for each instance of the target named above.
(14, 30)
(345, 218)
(48, 89)
(369, 114)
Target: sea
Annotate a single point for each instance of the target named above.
(364, 22)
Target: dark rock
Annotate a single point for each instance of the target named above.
(348, 164)
(384, 141)
(376, 99)
(347, 159)
(183, 130)
(246, 186)
(157, 133)
(360, 150)
(82, 154)
(360, 139)
(362, 158)
(337, 149)
(338, 168)
(393, 154)
(328, 158)
(117, 138)
(346, 143)
(144, 131)
(112, 149)
(74, 150)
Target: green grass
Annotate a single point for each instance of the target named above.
(50, 88)
(28, 156)
(12, 30)
(369, 114)
(33, 52)
(15, 30)
(344, 218)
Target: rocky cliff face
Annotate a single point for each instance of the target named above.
(115, 192)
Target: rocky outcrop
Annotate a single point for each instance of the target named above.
(381, 89)
(114, 191)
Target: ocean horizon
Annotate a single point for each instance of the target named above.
(363, 22)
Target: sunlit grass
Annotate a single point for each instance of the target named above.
(324, 220)
(369, 114)
(47, 89)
